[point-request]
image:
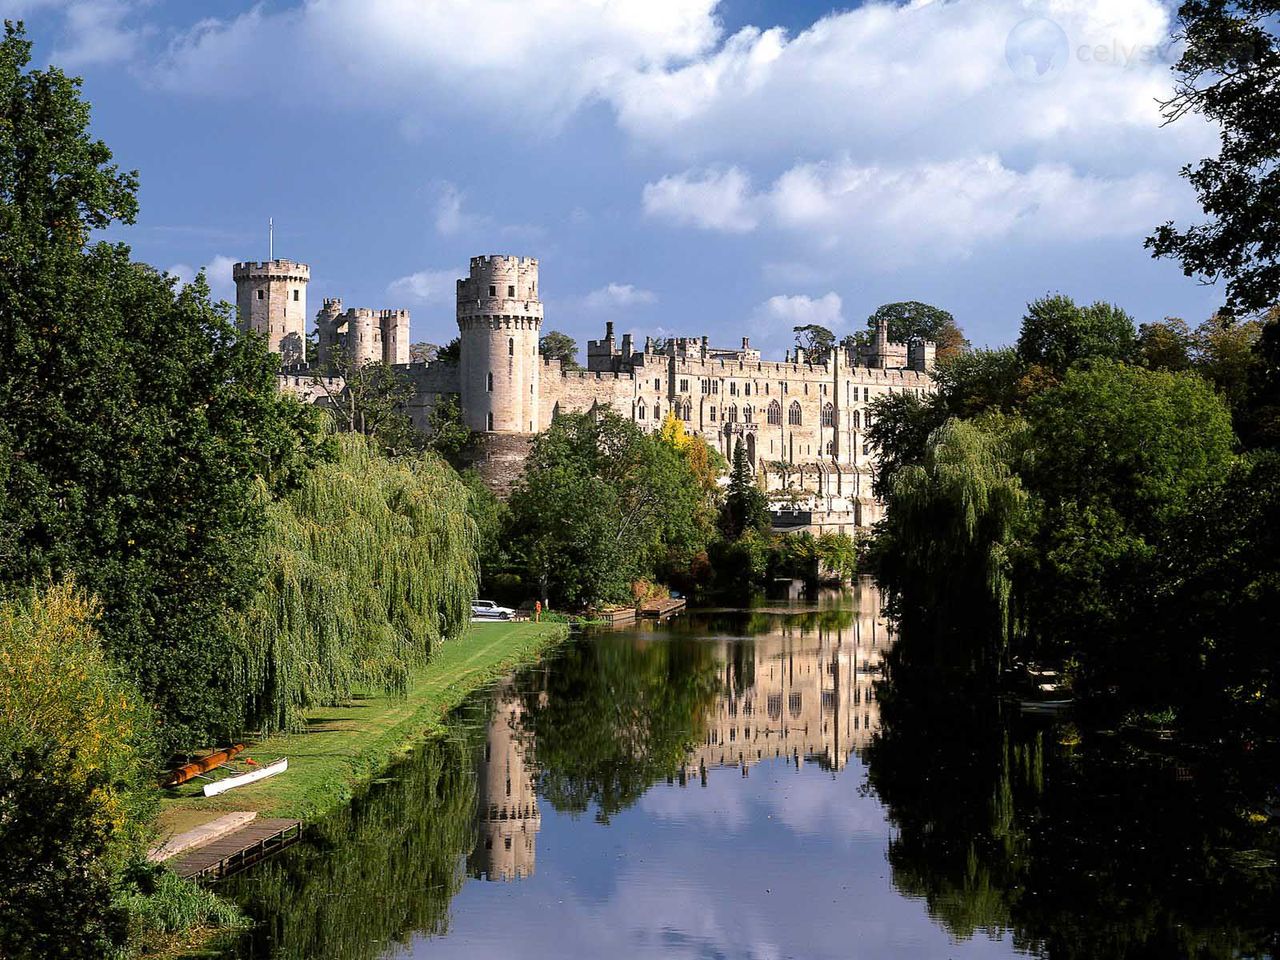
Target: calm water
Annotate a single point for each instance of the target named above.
(748, 785)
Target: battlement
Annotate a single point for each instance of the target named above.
(501, 261)
(271, 269)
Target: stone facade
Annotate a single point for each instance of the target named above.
(271, 298)
(801, 420)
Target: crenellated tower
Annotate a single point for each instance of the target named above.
(271, 299)
(499, 322)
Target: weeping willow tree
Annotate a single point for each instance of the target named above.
(953, 522)
(366, 568)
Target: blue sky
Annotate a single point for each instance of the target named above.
(678, 166)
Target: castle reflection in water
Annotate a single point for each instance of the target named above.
(801, 690)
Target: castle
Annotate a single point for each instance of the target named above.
(801, 421)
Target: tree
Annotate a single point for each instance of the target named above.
(1057, 333)
(371, 399)
(138, 419)
(815, 339)
(1225, 354)
(447, 435)
(912, 320)
(600, 504)
(1229, 73)
(1165, 345)
(554, 345)
(1119, 455)
(451, 352)
(745, 505)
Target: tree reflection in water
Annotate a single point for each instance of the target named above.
(373, 874)
(1092, 848)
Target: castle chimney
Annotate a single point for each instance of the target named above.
(746, 343)
(608, 329)
(628, 347)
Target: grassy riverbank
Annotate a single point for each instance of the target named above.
(344, 747)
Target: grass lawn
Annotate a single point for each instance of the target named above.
(344, 747)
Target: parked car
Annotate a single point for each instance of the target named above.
(488, 610)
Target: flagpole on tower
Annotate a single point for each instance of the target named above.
(271, 239)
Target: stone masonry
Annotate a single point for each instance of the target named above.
(801, 420)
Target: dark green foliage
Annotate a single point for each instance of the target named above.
(491, 518)
(745, 506)
(56, 885)
(447, 435)
(137, 419)
(815, 339)
(1165, 345)
(913, 320)
(1229, 73)
(601, 503)
(372, 402)
(554, 345)
(451, 352)
(1057, 333)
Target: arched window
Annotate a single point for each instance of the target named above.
(793, 414)
(489, 382)
(657, 411)
(831, 448)
(641, 411)
(511, 346)
(747, 414)
(775, 413)
(856, 422)
(686, 412)
(866, 420)
(733, 413)
(828, 415)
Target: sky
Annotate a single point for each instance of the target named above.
(680, 167)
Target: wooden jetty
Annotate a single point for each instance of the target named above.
(664, 607)
(236, 850)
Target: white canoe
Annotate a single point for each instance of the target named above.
(253, 776)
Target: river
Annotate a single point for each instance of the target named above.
(748, 784)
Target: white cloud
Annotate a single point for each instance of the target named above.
(712, 199)
(618, 295)
(449, 216)
(533, 60)
(425, 286)
(894, 215)
(217, 272)
(797, 310)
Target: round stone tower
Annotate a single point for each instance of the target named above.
(500, 320)
(271, 298)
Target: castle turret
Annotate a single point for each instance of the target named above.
(271, 299)
(328, 339)
(364, 337)
(880, 353)
(500, 320)
(395, 335)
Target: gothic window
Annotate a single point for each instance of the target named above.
(793, 414)
(733, 413)
(747, 390)
(831, 448)
(793, 704)
(775, 413)
(733, 389)
(511, 346)
(857, 420)
(747, 413)
(687, 411)
(641, 411)
(866, 420)
(828, 415)
(489, 382)
(657, 411)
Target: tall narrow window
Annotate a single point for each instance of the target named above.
(489, 421)
(489, 382)
(493, 291)
(733, 413)
(775, 413)
(793, 414)
(511, 291)
(828, 415)
(511, 346)
(297, 295)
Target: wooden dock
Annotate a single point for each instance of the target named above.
(662, 608)
(237, 850)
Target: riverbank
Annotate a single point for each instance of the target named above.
(345, 747)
